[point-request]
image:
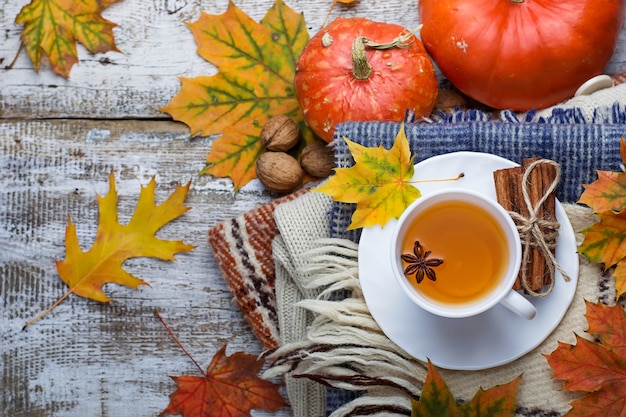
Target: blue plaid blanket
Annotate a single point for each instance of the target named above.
(580, 146)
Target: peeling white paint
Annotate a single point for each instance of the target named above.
(97, 135)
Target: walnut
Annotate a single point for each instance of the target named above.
(280, 134)
(279, 172)
(317, 159)
(450, 99)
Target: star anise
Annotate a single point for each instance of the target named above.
(419, 264)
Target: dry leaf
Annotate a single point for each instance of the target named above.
(597, 368)
(379, 182)
(230, 387)
(85, 273)
(437, 400)
(605, 241)
(52, 28)
(608, 192)
(256, 63)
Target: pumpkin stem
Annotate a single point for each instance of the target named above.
(516, 1)
(361, 69)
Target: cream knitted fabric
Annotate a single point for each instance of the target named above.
(299, 224)
(592, 107)
(344, 346)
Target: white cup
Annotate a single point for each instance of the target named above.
(502, 283)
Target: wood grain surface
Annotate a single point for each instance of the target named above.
(59, 140)
(86, 358)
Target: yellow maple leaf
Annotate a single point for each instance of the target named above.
(256, 63)
(379, 182)
(86, 272)
(52, 28)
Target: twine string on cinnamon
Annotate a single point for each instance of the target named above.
(538, 232)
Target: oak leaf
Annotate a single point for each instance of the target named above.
(379, 182)
(52, 28)
(605, 241)
(85, 273)
(256, 63)
(436, 399)
(597, 368)
(230, 387)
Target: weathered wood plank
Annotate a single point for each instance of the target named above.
(86, 358)
(156, 47)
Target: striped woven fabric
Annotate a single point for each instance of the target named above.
(581, 147)
(243, 250)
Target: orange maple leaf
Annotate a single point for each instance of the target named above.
(52, 28)
(605, 241)
(608, 192)
(230, 387)
(85, 273)
(597, 368)
(256, 63)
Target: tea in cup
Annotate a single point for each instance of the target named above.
(457, 253)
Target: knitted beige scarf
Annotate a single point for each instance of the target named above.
(336, 342)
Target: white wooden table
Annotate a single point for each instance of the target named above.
(59, 140)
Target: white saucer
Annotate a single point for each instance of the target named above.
(490, 339)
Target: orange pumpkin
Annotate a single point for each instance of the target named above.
(520, 54)
(361, 70)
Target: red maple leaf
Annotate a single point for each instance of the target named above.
(230, 387)
(597, 368)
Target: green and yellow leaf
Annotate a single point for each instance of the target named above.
(235, 152)
(256, 63)
(608, 192)
(605, 241)
(436, 399)
(379, 182)
(52, 28)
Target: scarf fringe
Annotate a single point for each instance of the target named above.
(381, 404)
(344, 347)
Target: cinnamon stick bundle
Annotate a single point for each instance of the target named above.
(509, 193)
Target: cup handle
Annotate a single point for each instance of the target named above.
(519, 305)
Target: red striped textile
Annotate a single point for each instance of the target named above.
(243, 250)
